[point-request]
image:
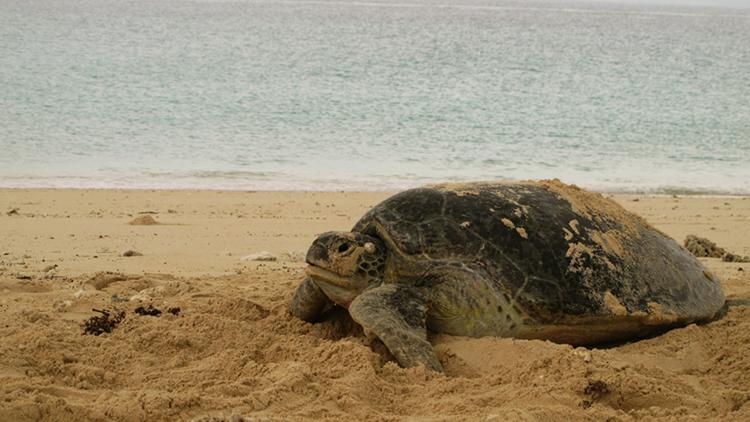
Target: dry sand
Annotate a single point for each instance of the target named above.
(234, 351)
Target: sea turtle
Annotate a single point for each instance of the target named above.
(532, 260)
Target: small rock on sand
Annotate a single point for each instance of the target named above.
(730, 257)
(12, 212)
(62, 305)
(131, 253)
(118, 298)
(260, 256)
(144, 220)
(584, 353)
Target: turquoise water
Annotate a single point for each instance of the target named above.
(373, 95)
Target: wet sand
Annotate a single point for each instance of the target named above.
(233, 349)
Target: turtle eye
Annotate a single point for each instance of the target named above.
(343, 247)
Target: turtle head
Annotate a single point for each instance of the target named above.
(344, 264)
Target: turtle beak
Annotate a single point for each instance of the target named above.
(317, 255)
(318, 252)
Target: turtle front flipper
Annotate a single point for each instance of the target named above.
(397, 315)
(309, 302)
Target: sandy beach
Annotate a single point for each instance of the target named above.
(229, 348)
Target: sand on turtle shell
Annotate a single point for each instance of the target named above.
(585, 203)
(595, 205)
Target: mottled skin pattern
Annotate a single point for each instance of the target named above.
(522, 260)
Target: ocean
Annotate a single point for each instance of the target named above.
(373, 95)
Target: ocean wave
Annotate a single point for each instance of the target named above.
(260, 181)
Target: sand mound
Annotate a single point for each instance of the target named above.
(233, 350)
(228, 350)
(144, 220)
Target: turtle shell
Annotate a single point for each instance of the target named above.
(558, 251)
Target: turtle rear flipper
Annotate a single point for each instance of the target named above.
(309, 302)
(397, 316)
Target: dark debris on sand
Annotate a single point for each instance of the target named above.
(147, 311)
(104, 323)
(595, 390)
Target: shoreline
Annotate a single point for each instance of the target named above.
(609, 193)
